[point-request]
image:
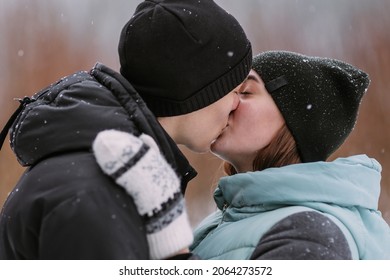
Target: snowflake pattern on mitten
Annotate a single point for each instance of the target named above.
(154, 186)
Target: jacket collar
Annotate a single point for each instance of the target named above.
(349, 182)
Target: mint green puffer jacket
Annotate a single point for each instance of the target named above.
(320, 210)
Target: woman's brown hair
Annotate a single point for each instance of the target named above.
(281, 151)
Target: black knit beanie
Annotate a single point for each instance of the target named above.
(318, 97)
(183, 55)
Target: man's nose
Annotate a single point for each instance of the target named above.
(236, 100)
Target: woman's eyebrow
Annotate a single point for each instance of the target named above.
(252, 77)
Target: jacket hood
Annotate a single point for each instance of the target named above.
(347, 182)
(66, 116)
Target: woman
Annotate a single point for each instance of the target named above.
(285, 201)
(282, 199)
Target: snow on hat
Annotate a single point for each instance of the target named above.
(318, 97)
(181, 55)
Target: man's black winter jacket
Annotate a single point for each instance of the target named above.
(64, 207)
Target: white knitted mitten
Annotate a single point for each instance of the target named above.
(136, 164)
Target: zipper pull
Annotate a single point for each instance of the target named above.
(23, 103)
(225, 206)
(26, 100)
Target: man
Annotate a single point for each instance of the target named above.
(184, 58)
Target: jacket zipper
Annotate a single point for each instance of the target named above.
(225, 206)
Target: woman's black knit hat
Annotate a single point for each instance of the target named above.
(183, 55)
(318, 97)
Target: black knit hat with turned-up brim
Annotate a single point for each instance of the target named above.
(318, 97)
(183, 55)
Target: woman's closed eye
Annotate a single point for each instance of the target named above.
(245, 94)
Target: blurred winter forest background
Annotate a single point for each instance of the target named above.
(42, 41)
